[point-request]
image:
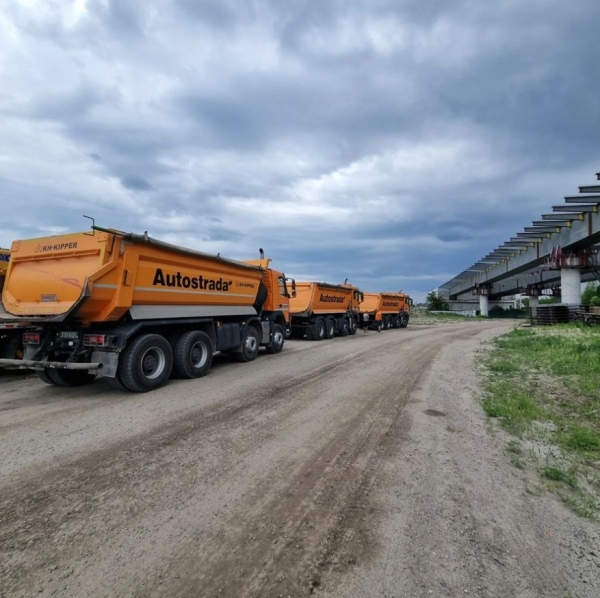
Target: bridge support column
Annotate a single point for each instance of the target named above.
(484, 305)
(534, 303)
(570, 284)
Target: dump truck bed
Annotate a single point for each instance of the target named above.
(386, 303)
(99, 276)
(320, 298)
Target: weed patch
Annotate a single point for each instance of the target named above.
(583, 440)
(543, 386)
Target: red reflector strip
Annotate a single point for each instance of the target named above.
(31, 337)
(95, 339)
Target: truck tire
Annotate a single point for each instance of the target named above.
(44, 377)
(192, 355)
(403, 321)
(396, 323)
(115, 383)
(345, 329)
(319, 334)
(388, 322)
(330, 327)
(70, 377)
(146, 363)
(353, 326)
(250, 345)
(277, 341)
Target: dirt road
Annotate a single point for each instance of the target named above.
(354, 467)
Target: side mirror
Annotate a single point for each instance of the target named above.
(292, 285)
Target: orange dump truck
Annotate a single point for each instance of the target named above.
(136, 310)
(388, 310)
(320, 310)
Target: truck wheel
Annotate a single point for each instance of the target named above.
(146, 363)
(192, 355)
(396, 322)
(44, 377)
(115, 383)
(353, 326)
(403, 321)
(250, 345)
(276, 345)
(70, 377)
(388, 322)
(345, 331)
(319, 335)
(329, 328)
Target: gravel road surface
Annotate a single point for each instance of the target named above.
(356, 467)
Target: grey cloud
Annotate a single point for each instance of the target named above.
(135, 183)
(220, 233)
(448, 117)
(66, 105)
(216, 12)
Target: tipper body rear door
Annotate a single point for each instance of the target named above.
(48, 276)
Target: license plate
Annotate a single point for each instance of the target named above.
(68, 334)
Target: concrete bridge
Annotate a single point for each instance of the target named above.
(557, 252)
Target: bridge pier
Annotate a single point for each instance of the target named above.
(570, 285)
(484, 305)
(534, 303)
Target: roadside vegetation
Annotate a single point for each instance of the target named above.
(542, 385)
(422, 315)
(591, 295)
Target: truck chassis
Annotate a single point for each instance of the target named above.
(140, 356)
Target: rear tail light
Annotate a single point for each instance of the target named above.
(95, 340)
(31, 338)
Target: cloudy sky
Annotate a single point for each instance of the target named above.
(393, 142)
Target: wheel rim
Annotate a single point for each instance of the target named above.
(198, 354)
(278, 338)
(153, 363)
(251, 343)
(321, 330)
(331, 329)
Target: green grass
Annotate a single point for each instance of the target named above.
(515, 408)
(583, 440)
(514, 447)
(556, 473)
(543, 385)
(582, 503)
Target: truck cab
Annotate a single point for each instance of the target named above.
(279, 289)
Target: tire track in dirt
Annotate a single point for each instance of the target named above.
(113, 492)
(324, 525)
(62, 496)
